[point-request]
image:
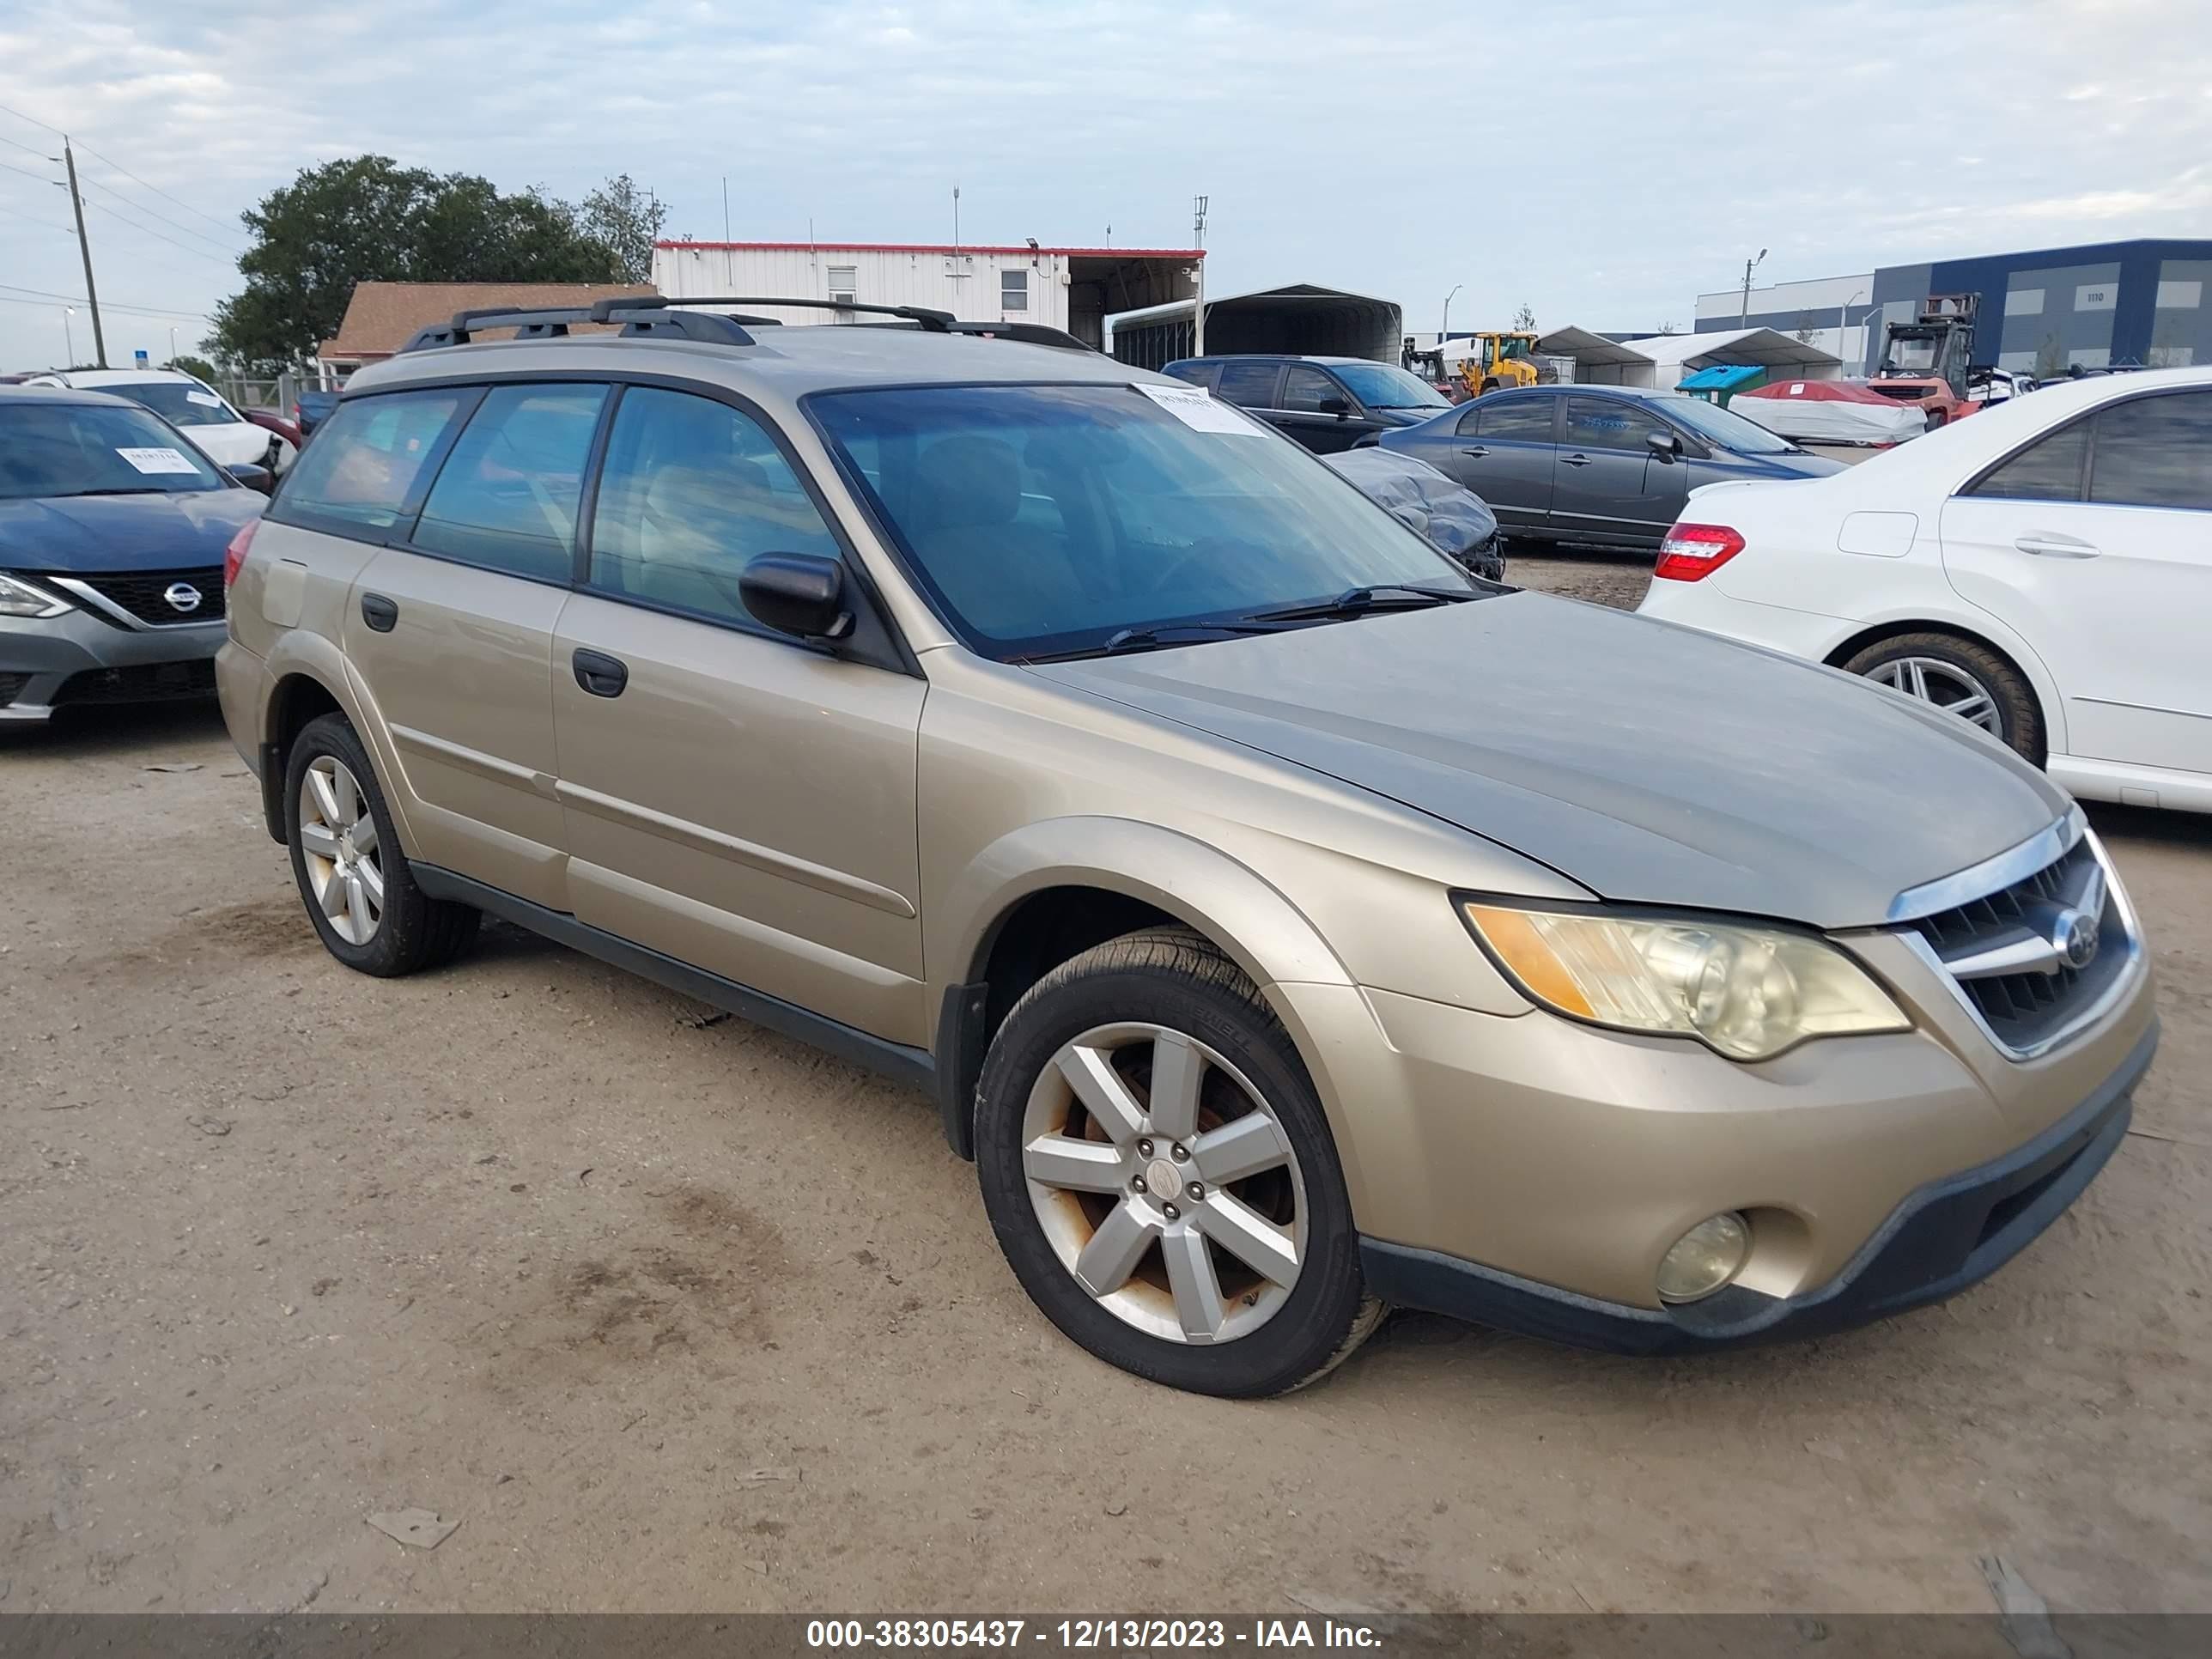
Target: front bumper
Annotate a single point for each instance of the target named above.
(1945, 1237)
(76, 657)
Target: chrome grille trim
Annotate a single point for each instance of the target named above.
(2039, 851)
(2070, 1021)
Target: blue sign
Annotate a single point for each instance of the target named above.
(139, 358)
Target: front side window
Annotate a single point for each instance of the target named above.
(49, 450)
(369, 460)
(2155, 451)
(507, 497)
(1048, 519)
(692, 492)
(1014, 290)
(1308, 390)
(1608, 423)
(2048, 469)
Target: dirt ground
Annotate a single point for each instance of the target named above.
(669, 1315)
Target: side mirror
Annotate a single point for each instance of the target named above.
(1335, 406)
(1665, 445)
(797, 593)
(254, 475)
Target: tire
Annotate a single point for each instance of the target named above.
(1491, 386)
(407, 932)
(1955, 669)
(1164, 994)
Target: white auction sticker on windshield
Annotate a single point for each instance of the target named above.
(208, 399)
(157, 460)
(1194, 405)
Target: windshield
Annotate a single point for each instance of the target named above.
(1378, 386)
(1048, 519)
(87, 449)
(1515, 348)
(178, 402)
(1726, 430)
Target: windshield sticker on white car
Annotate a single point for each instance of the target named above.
(1195, 408)
(157, 460)
(208, 399)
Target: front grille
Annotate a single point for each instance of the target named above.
(2003, 951)
(10, 686)
(141, 593)
(148, 683)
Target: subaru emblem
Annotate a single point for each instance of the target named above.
(2075, 934)
(182, 596)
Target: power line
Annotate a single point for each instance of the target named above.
(158, 191)
(27, 174)
(27, 149)
(46, 224)
(229, 260)
(79, 300)
(33, 120)
(136, 207)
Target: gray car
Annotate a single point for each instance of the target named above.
(1605, 466)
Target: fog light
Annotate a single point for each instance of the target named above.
(1703, 1259)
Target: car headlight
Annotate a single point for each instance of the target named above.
(1747, 992)
(20, 599)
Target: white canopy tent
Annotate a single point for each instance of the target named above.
(1664, 361)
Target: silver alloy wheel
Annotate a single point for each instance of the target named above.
(338, 833)
(1165, 1183)
(1944, 685)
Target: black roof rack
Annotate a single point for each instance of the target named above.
(663, 316)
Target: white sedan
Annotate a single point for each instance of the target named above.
(2043, 569)
(191, 405)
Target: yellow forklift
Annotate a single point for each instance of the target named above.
(1500, 360)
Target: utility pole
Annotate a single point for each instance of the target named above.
(1446, 329)
(91, 294)
(1198, 302)
(726, 206)
(1743, 316)
(1844, 323)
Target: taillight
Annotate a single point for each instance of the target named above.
(235, 555)
(1694, 551)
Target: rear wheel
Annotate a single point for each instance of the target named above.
(1960, 677)
(353, 877)
(1155, 1165)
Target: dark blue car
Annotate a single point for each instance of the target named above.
(1605, 466)
(113, 529)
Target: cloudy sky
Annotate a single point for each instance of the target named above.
(1604, 161)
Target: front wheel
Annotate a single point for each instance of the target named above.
(1156, 1164)
(1962, 678)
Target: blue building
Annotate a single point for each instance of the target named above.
(2040, 312)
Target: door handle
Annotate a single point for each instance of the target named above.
(1574, 460)
(2056, 547)
(599, 674)
(1478, 452)
(379, 612)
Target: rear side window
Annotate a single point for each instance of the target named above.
(692, 492)
(2153, 452)
(1527, 420)
(507, 497)
(1252, 384)
(366, 470)
(2048, 469)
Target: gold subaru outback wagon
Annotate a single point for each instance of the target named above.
(1287, 924)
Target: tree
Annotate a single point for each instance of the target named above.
(1525, 320)
(196, 366)
(627, 219)
(1808, 326)
(368, 219)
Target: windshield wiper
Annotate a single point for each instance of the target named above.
(1360, 601)
(1152, 638)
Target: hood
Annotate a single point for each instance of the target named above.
(1408, 416)
(1651, 763)
(69, 535)
(1805, 466)
(229, 443)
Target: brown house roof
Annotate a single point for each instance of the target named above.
(381, 317)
